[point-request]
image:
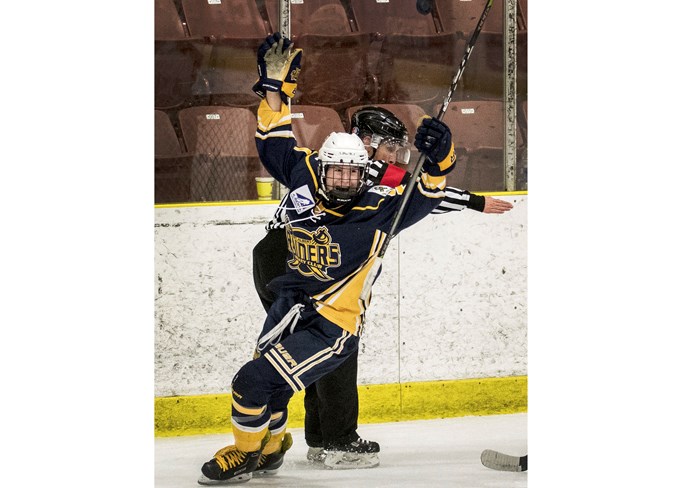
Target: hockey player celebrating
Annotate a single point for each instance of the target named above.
(332, 403)
(334, 232)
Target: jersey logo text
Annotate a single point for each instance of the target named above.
(313, 252)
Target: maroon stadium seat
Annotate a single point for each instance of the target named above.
(477, 127)
(177, 58)
(483, 75)
(324, 17)
(166, 140)
(334, 70)
(168, 24)
(231, 32)
(225, 158)
(227, 19)
(417, 69)
(392, 17)
(172, 164)
(312, 124)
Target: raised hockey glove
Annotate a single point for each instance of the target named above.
(433, 138)
(279, 67)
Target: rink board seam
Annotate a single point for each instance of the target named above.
(210, 414)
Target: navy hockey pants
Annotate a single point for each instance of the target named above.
(306, 348)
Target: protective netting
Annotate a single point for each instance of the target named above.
(220, 161)
(387, 54)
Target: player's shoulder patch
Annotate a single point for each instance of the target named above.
(381, 190)
(302, 199)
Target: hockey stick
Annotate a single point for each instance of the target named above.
(503, 462)
(284, 18)
(378, 261)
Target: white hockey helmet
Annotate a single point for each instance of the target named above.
(347, 150)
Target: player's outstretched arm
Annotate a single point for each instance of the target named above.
(274, 101)
(279, 65)
(495, 205)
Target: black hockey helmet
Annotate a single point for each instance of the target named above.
(376, 120)
(383, 127)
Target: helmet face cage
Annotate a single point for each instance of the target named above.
(345, 182)
(398, 147)
(346, 154)
(384, 128)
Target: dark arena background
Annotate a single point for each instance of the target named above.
(355, 53)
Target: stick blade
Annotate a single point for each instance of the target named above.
(503, 462)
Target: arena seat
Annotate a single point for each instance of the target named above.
(392, 17)
(334, 70)
(231, 32)
(323, 17)
(230, 73)
(477, 127)
(483, 75)
(312, 124)
(177, 58)
(461, 16)
(172, 164)
(166, 140)
(522, 6)
(416, 69)
(168, 23)
(235, 19)
(226, 161)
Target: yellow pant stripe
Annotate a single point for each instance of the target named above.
(248, 411)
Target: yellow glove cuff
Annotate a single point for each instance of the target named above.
(446, 164)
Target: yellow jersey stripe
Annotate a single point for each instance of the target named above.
(342, 304)
(267, 119)
(274, 124)
(310, 169)
(283, 133)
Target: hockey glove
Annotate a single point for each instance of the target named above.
(433, 138)
(279, 67)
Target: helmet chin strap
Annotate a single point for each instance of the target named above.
(332, 201)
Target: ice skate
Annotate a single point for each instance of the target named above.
(316, 454)
(230, 465)
(358, 454)
(269, 464)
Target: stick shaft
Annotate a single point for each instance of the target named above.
(408, 190)
(419, 164)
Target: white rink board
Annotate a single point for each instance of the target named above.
(451, 302)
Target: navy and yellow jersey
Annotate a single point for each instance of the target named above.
(331, 250)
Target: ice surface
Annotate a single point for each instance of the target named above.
(423, 453)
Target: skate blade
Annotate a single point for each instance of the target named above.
(203, 480)
(341, 460)
(266, 472)
(316, 455)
